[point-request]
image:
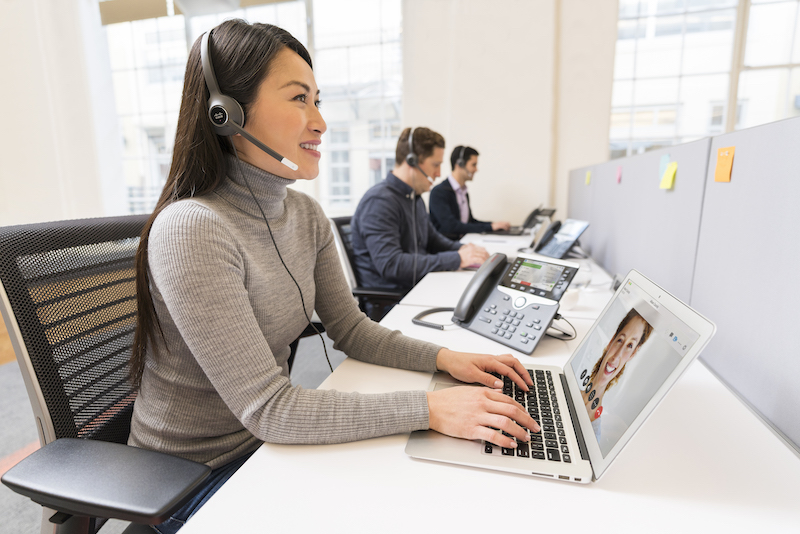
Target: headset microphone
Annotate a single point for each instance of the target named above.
(412, 158)
(225, 112)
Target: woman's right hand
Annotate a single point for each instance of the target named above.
(471, 412)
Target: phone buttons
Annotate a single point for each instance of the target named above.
(520, 302)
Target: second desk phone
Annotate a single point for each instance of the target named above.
(514, 303)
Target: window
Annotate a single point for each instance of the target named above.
(679, 55)
(358, 67)
(673, 59)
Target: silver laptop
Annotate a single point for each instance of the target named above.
(634, 353)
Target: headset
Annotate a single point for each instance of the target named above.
(413, 160)
(225, 112)
(460, 162)
(227, 116)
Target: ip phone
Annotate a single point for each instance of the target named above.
(514, 302)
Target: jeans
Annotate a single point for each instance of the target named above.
(215, 480)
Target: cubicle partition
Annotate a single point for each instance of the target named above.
(748, 263)
(726, 247)
(634, 223)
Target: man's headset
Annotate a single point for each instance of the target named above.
(461, 162)
(225, 112)
(227, 116)
(412, 158)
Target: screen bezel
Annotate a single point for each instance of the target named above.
(705, 330)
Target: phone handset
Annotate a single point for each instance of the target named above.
(552, 230)
(482, 283)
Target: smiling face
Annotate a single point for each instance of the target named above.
(619, 351)
(285, 116)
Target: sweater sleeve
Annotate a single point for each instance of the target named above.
(198, 270)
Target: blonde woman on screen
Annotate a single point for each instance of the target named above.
(632, 332)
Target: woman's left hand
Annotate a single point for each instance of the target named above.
(476, 368)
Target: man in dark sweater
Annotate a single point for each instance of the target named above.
(394, 242)
(449, 202)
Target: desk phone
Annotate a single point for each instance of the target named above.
(514, 302)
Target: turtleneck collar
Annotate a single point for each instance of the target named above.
(267, 187)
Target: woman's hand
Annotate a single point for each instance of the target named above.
(476, 368)
(474, 413)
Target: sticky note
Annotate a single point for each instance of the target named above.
(662, 166)
(588, 177)
(724, 164)
(668, 178)
(619, 174)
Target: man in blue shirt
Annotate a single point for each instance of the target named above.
(394, 242)
(449, 202)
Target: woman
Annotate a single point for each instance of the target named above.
(631, 334)
(231, 265)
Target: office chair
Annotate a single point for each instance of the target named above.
(68, 298)
(372, 301)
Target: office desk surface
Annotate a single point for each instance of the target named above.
(701, 463)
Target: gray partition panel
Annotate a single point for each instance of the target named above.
(748, 264)
(636, 225)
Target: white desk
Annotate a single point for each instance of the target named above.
(701, 463)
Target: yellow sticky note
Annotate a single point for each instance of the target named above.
(724, 164)
(668, 179)
(588, 177)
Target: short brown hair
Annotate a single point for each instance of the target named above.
(424, 141)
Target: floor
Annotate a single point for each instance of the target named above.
(18, 437)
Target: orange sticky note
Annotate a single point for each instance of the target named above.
(724, 164)
(588, 177)
(668, 179)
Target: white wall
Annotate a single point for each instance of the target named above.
(60, 144)
(525, 82)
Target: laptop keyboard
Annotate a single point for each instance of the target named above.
(542, 405)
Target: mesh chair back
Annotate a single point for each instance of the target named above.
(345, 234)
(344, 242)
(71, 289)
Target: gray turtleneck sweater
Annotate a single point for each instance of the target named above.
(219, 385)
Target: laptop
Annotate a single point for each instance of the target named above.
(634, 353)
(531, 225)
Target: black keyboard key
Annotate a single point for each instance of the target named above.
(538, 455)
(510, 452)
(487, 447)
(561, 433)
(548, 428)
(551, 443)
(553, 455)
(562, 441)
(565, 449)
(537, 446)
(567, 458)
(549, 435)
(522, 450)
(536, 438)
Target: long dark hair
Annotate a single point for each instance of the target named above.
(241, 54)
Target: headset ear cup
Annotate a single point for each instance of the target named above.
(411, 159)
(461, 163)
(222, 110)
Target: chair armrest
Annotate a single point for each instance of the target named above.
(389, 294)
(101, 479)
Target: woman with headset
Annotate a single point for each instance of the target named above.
(231, 265)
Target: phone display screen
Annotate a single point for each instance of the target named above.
(540, 278)
(537, 275)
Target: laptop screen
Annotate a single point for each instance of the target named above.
(635, 347)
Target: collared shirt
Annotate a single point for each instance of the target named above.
(461, 197)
